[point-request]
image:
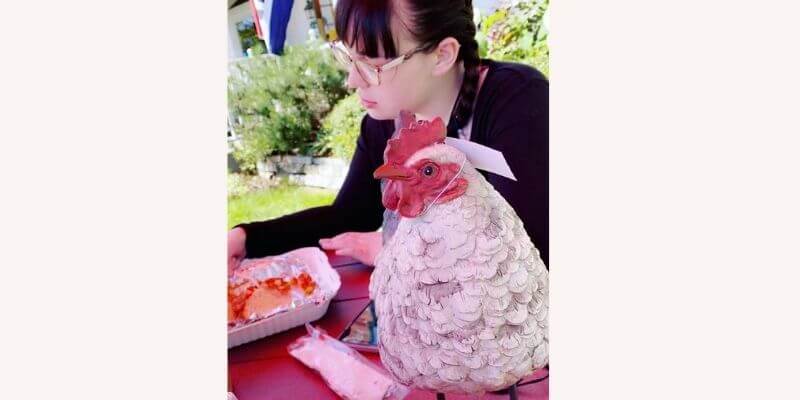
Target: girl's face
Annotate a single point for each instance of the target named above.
(405, 87)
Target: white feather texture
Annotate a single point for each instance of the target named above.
(461, 292)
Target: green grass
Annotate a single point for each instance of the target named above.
(275, 202)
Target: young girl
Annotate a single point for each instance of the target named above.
(421, 56)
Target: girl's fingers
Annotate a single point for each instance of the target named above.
(330, 243)
(345, 252)
(357, 254)
(339, 241)
(358, 245)
(233, 263)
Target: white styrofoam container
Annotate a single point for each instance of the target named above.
(327, 280)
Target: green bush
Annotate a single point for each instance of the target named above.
(341, 128)
(517, 32)
(277, 103)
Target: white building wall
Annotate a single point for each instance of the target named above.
(297, 31)
(236, 15)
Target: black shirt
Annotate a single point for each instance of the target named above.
(511, 115)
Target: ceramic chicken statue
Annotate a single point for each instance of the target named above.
(459, 288)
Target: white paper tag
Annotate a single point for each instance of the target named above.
(482, 157)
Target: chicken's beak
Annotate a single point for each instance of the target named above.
(391, 171)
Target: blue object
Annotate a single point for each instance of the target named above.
(278, 22)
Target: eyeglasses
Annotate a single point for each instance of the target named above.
(370, 73)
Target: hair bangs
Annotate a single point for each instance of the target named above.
(365, 25)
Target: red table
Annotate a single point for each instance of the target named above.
(264, 370)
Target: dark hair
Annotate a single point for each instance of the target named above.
(365, 25)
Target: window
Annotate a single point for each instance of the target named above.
(249, 38)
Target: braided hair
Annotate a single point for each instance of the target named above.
(469, 87)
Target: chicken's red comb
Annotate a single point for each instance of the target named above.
(416, 136)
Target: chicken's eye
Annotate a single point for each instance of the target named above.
(428, 170)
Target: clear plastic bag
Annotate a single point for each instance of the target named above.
(344, 370)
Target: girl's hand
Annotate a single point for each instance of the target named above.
(236, 249)
(363, 246)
